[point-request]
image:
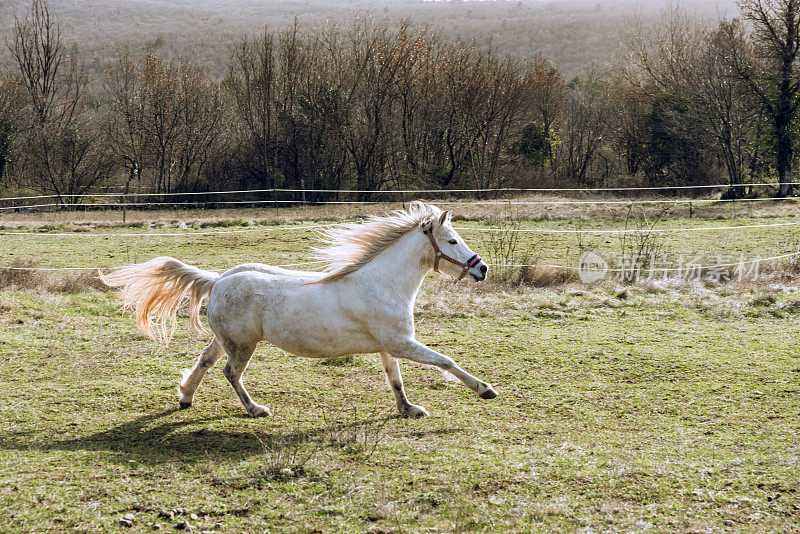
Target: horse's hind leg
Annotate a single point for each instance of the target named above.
(395, 379)
(238, 358)
(192, 377)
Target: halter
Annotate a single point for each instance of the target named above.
(466, 266)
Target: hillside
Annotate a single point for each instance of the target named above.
(574, 34)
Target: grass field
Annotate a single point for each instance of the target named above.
(646, 408)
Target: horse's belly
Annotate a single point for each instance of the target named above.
(320, 343)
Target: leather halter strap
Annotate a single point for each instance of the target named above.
(465, 266)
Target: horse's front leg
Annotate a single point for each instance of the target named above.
(411, 349)
(395, 379)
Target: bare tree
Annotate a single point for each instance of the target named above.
(489, 93)
(449, 70)
(63, 155)
(293, 58)
(426, 153)
(694, 101)
(250, 82)
(51, 77)
(161, 119)
(546, 91)
(373, 66)
(11, 104)
(125, 121)
(321, 115)
(660, 56)
(201, 111)
(768, 65)
(164, 121)
(723, 108)
(583, 127)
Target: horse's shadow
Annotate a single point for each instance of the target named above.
(168, 441)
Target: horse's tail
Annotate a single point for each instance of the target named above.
(156, 288)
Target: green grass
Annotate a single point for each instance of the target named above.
(663, 411)
(648, 409)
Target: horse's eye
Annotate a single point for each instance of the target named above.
(452, 241)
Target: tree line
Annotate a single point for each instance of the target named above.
(364, 106)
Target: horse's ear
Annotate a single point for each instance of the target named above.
(416, 206)
(445, 216)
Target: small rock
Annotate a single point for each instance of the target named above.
(167, 514)
(129, 517)
(126, 523)
(180, 511)
(287, 472)
(193, 516)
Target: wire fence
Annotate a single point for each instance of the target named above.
(497, 265)
(290, 228)
(219, 203)
(289, 197)
(403, 191)
(191, 232)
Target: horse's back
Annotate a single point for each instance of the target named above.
(271, 269)
(252, 289)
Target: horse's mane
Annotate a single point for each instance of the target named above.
(349, 246)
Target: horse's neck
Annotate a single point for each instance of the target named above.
(402, 266)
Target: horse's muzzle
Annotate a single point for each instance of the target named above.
(482, 276)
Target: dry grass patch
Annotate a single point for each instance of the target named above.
(24, 275)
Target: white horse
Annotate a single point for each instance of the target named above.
(363, 303)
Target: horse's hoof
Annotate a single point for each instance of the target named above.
(488, 393)
(259, 411)
(414, 411)
(185, 404)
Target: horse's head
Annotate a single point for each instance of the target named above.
(451, 255)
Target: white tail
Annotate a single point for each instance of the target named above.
(156, 288)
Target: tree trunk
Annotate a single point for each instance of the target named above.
(784, 156)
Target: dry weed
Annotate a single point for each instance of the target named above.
(515, 263)
(23, 275)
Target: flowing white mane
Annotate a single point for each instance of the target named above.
(351, 245)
